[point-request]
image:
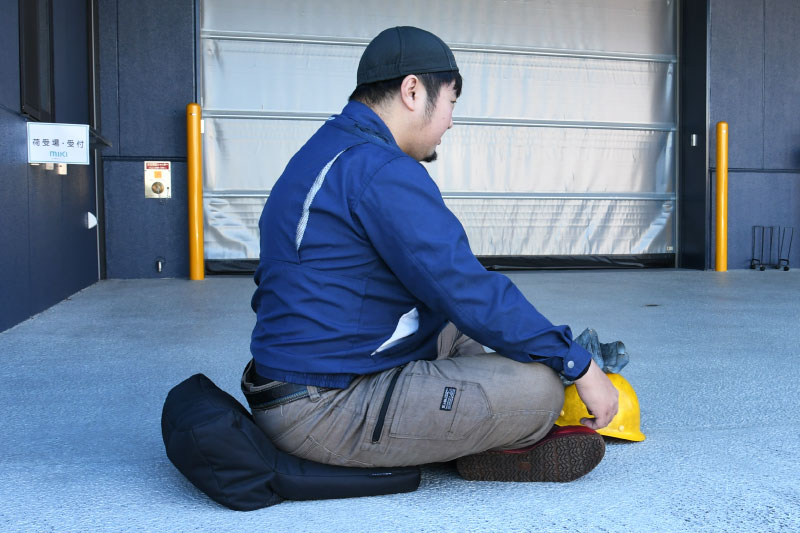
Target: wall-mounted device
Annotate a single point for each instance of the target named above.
(157, 179)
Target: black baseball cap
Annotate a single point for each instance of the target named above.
(404, 50)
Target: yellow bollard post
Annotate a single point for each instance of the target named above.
(722, 197)
(194, 153)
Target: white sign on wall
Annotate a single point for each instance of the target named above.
(58, 143)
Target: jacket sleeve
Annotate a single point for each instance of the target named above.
(423, 243)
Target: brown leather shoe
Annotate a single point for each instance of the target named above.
(564, 454)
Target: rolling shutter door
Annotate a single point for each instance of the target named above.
(564, 141)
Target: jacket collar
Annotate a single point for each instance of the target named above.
(359, 119)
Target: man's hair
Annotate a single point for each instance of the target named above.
(374, 94)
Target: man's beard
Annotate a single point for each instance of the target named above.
(431, 158)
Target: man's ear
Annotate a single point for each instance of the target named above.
(411, 92)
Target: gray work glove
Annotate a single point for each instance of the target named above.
(611, 357)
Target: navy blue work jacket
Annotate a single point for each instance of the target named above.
(354, 236)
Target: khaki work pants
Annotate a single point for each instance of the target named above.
(466, 401)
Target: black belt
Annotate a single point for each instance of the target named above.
(273, 396)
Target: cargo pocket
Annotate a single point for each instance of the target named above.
(437, 408)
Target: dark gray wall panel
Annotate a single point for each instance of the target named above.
(79, 261)
(755, 87)
(109, 80)
(156, 76)
(78, 256)
(15, 299)
(15, 282)
(9, 58)
(63, 254)
(782, 82)
(145, 228)
(760, 199)
(737, 77)
(147, 78)
(71, 62)
(46, 253)
(46, 244)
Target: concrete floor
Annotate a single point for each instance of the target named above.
(714, 362)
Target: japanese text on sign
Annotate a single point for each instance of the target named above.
(58, 143)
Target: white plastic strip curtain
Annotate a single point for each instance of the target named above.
(564, 137)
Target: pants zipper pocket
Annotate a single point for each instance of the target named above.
(376, 434)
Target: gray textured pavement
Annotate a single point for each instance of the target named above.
(714, 360)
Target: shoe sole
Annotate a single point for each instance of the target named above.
(559, 460)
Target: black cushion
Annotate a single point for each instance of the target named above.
(212, 439)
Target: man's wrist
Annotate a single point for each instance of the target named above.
(583, 372)
(576, 362)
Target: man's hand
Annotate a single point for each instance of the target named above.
(599, 395)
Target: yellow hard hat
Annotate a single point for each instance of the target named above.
(625, 425)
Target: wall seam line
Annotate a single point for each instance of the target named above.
(764, 84)
(119, 112)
